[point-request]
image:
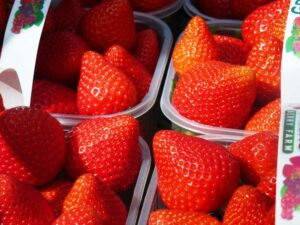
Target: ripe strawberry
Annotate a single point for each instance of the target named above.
(265, 60)
(59, 57)
(90, 192)
(22, 204)
(196, 45)
(216, 93)
(247, 206)
(120, 58)
(268, 184)
(270, 217)
(269, 19)
(266, 119)
(146, 49)
(116, 137)
(55, 194)
(108, 23)
(257, 155)
(50, 24)
(150, 5)
(232, 50)
(68, 14)
(3, 16)
(89, 3)
(82, 216)
(53, 97)
(32, 145)
(215, 8)
(190, 177)
(1, 104)
(102, 88)
(169, 217)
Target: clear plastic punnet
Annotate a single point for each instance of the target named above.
(180, 122)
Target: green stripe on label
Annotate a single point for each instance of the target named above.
(289, 131)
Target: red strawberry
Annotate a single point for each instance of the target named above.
(193, 174)
(268, 184)
(265, 60)
(89, 3)
(257, 155)
(68, 14)
(247, 206)
(59, 57)
(232, 50)
(32, 145)
(102, 88)
(90, 192)
(1, 104)
(82, 216)
(108, 23)
(50, 24)
(215, 8)
(3, 17)
(53, 97)
(266, 119)
(111, 151)
(150, 5)
(55, 194)
(22, 204)
(216, 93)
(120, 58)
(169, 217)
(270, 217)
(268, 20)
(146, 49)
(196, 45)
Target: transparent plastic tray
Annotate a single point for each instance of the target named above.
(166, 40)
(223, 27)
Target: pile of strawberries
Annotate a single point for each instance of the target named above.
(229, 82)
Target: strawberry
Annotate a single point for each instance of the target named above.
(89, 3)
(90, 192)
(246, 206)
(196, 45)
(232, 50)
(190, 177)
(108, 23)
(146, 49)
(68, 14)
(150, 5)
(216, 93)
(82, 216)
(22, 204)
(269, 19)
(266, 119)
(53, 97)
(50, 24)
(59, 57)
(32, 145)
(257, 155)
(268, 184)
(265, 60)
(102, 88)
(215, 8)
(116, 137)
(55, 194)
(270, 217)
(3, 17)
(169, 217)
(1, 104)
(120, 58)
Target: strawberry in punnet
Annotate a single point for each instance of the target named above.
(193, 174)
(232, 50)
(32, 145)
(172, 217)
(265, 60)
(246, 206)
(111, 151)
(59, 57)
(215, 8)
(268, 184)
(22, 204)
(257, 155)
(269, 19)
(3, 17)
(216, 93)
(110, 22)
(146, 49)
(50, 24)
(55, 194)
(90, 192)
(270, 217)
(266, 119)
(150, 5)
(103, 88)
(89, 3)
(53, 97)
(120, 58)
(196, 45)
